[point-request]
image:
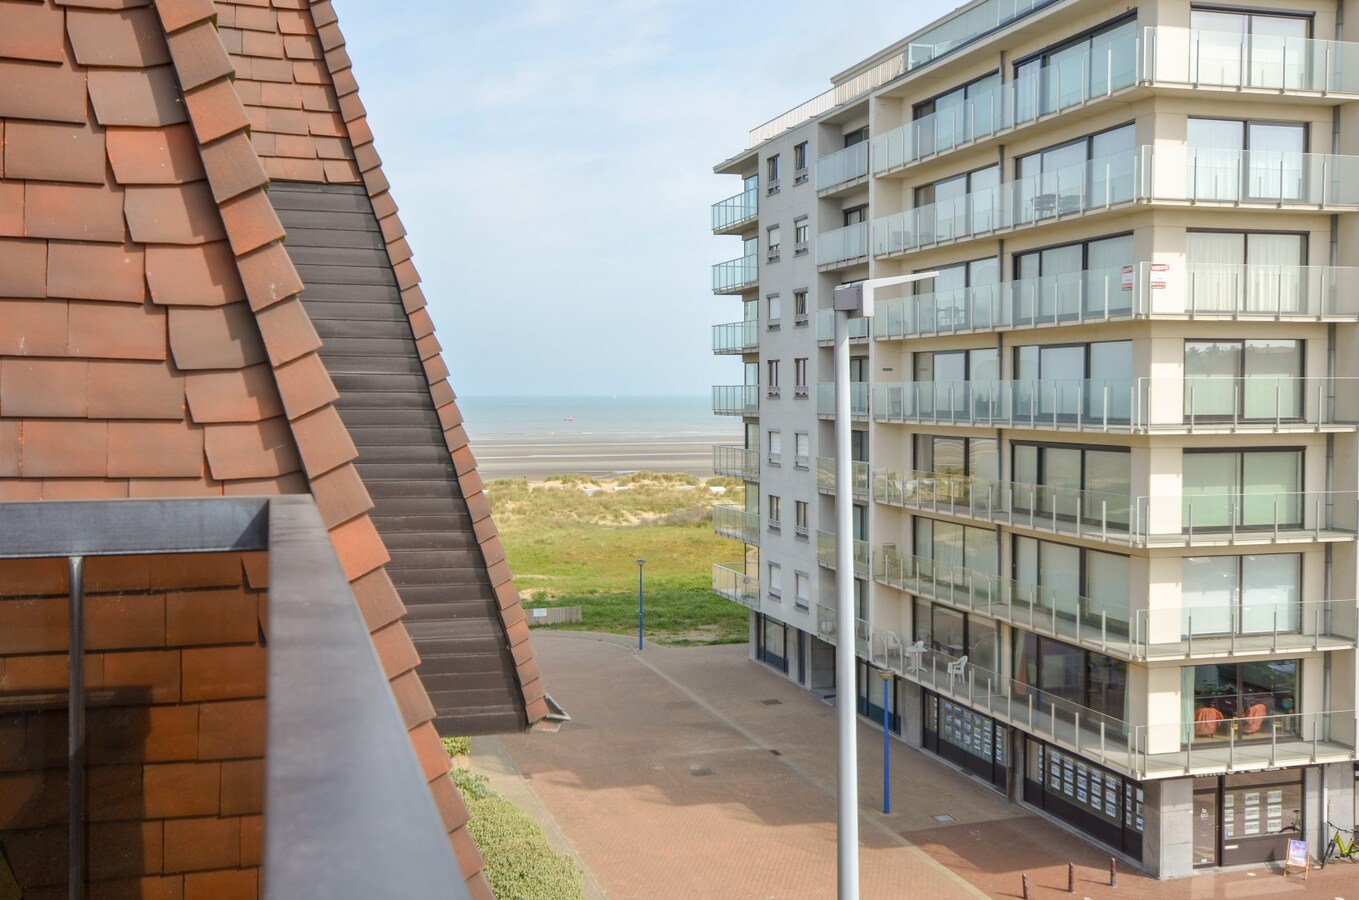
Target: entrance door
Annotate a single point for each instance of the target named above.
(1206, 839)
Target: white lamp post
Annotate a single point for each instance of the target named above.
(851, 300)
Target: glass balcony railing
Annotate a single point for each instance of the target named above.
(1252, 517)
(1241, 741)
(1098, 404)
(860, 476)
(735, 275)
(730, 582)
(736, 337)
(736, 399)
(1234, 627)
(733, 212)
(859, 327)
(735, 522)
(826, 627)
(825, 553)
(1263, 291)
(842, 167)
(858, 399)
(842, 244)
(1255, 61)
(736, 461)
(1247, 177)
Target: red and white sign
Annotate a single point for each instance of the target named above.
(1127, 278)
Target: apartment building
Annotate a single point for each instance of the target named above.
(1106, 468)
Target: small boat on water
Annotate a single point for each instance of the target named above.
(569, 419)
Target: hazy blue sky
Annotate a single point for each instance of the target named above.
(553, 163)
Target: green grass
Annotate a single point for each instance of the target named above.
(567, 548)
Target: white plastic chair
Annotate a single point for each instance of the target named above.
(956, 669)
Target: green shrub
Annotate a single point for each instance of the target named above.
(471, 785)
(457, 746)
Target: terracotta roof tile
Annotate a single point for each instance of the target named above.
(155, 450)
(258, 117)
(256, 450)
(290, 483)
(305, 385)
(338, 59)
(341, 171)
(294, 22)
(330, 36)
(413, 300)
(323, 441)
(296, 46)
(428, 346)
(154, 155)
(134, 390)
(262, 43)
(344, 82)
(263, 144)
(142, 97)
(319, 98)
(331, 147)
(391, 226)
(15, 490)
(215, 109)
(33, 327)
(173, 487)
(269, 275)
(383, 205)
(250, 221)
(130, 38)
(199, 56)
(412, 699)
(102, 4)
(398, 251)
(116, 330)
(287, 330)
(393, 643)
(281, 96)
(231, 39)
(51, 388)
(232, 166)
(40, 91)
(352, 109)
(102, 488)
(233, 395)
(255, 19)
(310, 71)
(295, 145)
(266, 69)
(70, 448)
(31, 31)
(340, 495)
(284, 169)
(377, 598)
(323, 13)
(11, 206)
(54, 151)
(366, 157)
(441, 393)
(176, 14)
(78, 212)
(222, 337)
(201, 275)
(449, 416)
(90, 271)
(286, 121)
(435, 369)
(361, 550)
(23, 268)
(173, 214)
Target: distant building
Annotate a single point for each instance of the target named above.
(208, 294)
(1108, 456)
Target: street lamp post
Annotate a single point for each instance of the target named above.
(641, 604)
(886, 677)
(850, 300)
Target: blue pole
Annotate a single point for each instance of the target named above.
(641, 604)
(886, 759)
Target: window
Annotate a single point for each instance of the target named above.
(958, 206)
(971, 111)
(1064, 382)
(802, 453)
(941, 382)
(772, 385)
(856, 214)
(799, 163)
(962, 296)
(1238, 160)
(1241, 49)
(803, 590)
(1066, 673)
(1090, 66)
(857, 136)
(1242, 489)
(775, 447)
(951, 547)
(801, 235)
(1094, 484)
(1244, 701)
(1076, 584)
(1238, 379)
(800, 317)
(945, 630)
(801, 519)
(1086, 173)
(1253, 274)
(772, 242)
(773, 312)
(800, 388)
(1258, 594)
(775, 511)
(775, 581)
(1073, 281)
(771, 174)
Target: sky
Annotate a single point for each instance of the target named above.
(553, 159)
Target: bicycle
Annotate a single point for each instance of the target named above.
(1341, 848)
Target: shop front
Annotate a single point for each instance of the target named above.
(1246, 817)
(1102, 804)
(963, 736)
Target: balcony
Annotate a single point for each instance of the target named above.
(826, 629)
(1249, 62)
(843, 245)
(1224, 519)
(736, 399)
(736, 461)
(858, 400)
(734, 522)
(738, 587)
(736, 337)
(860, 327)
(1193, 405)
(1243, 629)
(859, 475)
(842, 169)
(735, 275)
(825, 553)
(732, 215)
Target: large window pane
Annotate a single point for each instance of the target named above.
(1274, 167)
(984, 462)
(1216, 276)
(1211, 483)
(1215, 148)
(1210, 371)
(1108, 582)
(1060, 573)
(1273, 386)
(1274, 282)
(1270, 485)
(1270, 593)
(1208, 590)
(1108, 483)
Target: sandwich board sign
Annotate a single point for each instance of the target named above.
(1297, 859)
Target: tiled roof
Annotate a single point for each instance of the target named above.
(152, 340)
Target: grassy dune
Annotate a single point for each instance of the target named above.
(574, 541)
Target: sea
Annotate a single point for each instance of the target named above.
(534, 437)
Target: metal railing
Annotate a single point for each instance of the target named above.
(735, 585)
(860, 327)
(1242, 740)
(1263, 517)
(735, 522)
(735, 274)
(1264, 292)
(825, 553)
(859, 474)
(842, 244)
(1274, 63)
(736, 337)
(736, 399)
(1080, 404)
(1234, 628)
(858, 399)
(736, 211)
(826, 628)
(1247, 177)
(736, 461)
(842, 166)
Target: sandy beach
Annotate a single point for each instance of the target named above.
(594, 455)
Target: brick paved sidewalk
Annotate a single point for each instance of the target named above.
(693, 772)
